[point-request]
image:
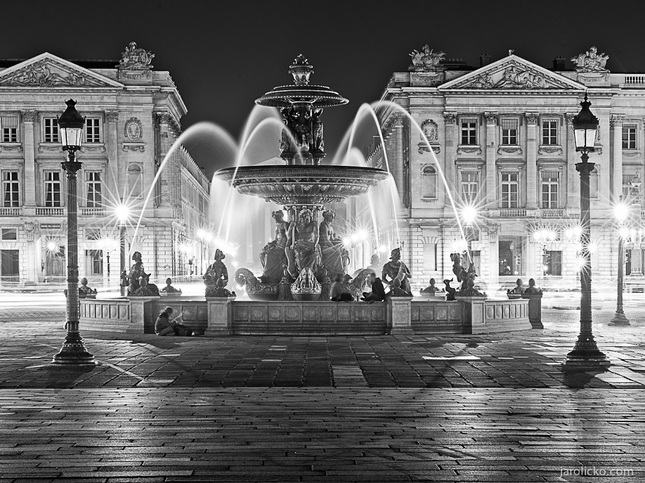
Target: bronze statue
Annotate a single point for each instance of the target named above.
(216, 277)
(466, 277)
(302, 244)
(273, 256)
(169, 289)
(137, 275)
(335, 257)
(395, 269)
(431, 289)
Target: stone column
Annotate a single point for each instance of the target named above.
(490, 153)
(115, 174)
(141, 316)
(220, 316)
(400, 315)
(531, 160)
(28, 119)
(616, 124)
(474, 314)
(450, 172)
(573, 196)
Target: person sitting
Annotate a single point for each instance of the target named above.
(166, 327)
(431, 289)
(168, 289)
(339, 292)
(378, 291)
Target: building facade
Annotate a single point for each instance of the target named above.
(132, 118)
(493, 148)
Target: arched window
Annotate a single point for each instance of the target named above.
(594, 179)
(429, 183)
(134, 180)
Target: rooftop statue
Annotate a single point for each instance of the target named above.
(427, 60)
(135, 58)
(591, 61)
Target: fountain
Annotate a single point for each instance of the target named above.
(312, 251)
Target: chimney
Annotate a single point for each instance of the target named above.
(484, 59)
(558, 63)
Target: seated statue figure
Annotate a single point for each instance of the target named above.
(302, 248)
(335, 257)
(145, 289)
(169, 289)
(516, 291)
(431, 289)
(396, 269)
(216, 277)
(84, 291)
(273, 256)
(136, 273)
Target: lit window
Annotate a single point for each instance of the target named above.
(51, 129)
(10, 189)
(93, 183)
(9, 126)
(469, 132)
(510, 190)
(629, 137)
(509, 131)
(550, 133)
(52, 188)
(92, 130)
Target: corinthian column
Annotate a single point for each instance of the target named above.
(531, 160)
(616, 124)
(450, 121)
(28, 119)
(491, 147)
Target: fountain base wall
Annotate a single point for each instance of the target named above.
(227, 316)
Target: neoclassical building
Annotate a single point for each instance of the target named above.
(132, 118)
(502, 137)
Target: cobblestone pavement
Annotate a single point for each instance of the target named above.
(408, 408)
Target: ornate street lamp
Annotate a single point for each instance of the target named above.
(70, 126)
(585, 354)
(621, 212)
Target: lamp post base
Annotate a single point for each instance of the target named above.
(619, 320)
(73, 352)
(585, 356)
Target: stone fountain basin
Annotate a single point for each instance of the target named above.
(302, 185)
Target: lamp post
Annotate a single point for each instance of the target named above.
(585, 354)
(621, 211)
(70, 126)
(122, 212)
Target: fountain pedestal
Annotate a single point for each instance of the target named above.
(400, 316)
(220, 316)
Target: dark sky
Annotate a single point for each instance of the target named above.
(222, 55)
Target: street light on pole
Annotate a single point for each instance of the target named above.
(621, 212)
(70, 126)
(585, 354)
(122, 212)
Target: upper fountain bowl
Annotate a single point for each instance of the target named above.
(302, 185)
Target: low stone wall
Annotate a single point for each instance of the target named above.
(433, 316)
(109, 315)
(308, 318)
(504, 315)
(195, 311)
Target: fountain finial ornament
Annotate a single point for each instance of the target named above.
(301, 69)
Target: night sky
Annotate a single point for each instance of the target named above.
(223, 55)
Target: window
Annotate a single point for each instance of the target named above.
(9, 129)
(92, 130)
(94, 262)
(134, 180)
(10, 189)
(510, 190)
(52, 188)
(469, 186)
(550, 132)
(51, 129)
(10, 265)
(629, 137)
(469, 132)
(93, 183)
(509, 131)
(429, 183)
(549, 189)
(92, 233)
(430, 257)
(552, 263)
(9, 234)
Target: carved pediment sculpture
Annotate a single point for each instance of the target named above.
(426, 60)
(48, 73)
(591, 61)
(136, 58)
(511, 74)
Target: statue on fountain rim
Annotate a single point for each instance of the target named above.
(396, 274)
(139, 280)
(335, 257)
(302, 248)
(273, 256)
(216, 277)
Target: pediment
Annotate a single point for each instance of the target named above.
(48, 70)
(512, 73)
